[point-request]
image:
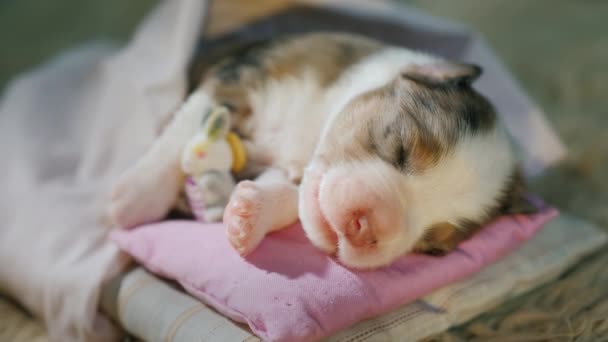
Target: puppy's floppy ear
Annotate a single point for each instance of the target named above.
(515, 200)
(441, 238)
(442, 73)
(519, 205)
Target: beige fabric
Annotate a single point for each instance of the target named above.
(154, 311)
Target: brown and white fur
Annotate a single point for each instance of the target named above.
(378, 150)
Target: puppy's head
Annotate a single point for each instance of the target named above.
(412, 164)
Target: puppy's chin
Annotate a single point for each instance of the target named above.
(370, 257)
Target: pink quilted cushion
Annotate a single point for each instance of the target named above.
(288, 291)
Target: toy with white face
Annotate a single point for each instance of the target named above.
(209, 150)
(208, 159)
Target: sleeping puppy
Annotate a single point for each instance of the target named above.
(378, 150)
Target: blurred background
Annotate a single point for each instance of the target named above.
(557, 49)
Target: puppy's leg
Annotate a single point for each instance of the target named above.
(148, 190)
(258, 207)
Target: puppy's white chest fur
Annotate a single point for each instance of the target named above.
(287, 119)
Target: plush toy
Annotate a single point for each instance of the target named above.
(208, 159)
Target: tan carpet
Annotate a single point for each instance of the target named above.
(16, 325)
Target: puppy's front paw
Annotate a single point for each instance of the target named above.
(138, 199)
(244, 217)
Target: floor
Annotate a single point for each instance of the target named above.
(557, 49)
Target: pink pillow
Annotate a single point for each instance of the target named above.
(287, 290)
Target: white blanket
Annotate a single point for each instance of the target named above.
(70, 127)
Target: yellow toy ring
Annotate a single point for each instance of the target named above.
(238, 151)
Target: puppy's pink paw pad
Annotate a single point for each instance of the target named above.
(240, 234)
(242, 218)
